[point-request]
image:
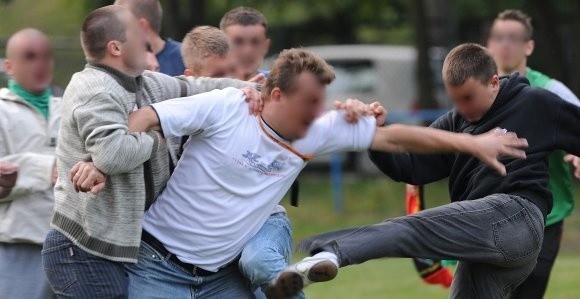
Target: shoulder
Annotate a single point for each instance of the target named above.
(228, 97)
(7, 95)
(563, 92)
(173, 44)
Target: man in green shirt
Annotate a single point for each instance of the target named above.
(510, 42)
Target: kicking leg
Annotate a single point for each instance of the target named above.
(500, 230)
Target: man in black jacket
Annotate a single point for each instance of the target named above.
(494, 226)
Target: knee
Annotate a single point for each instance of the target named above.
(260, 265)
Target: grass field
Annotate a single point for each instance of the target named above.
(370, 200)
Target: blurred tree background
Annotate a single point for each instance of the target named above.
(426, 24)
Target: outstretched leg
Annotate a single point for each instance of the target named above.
(499, 230)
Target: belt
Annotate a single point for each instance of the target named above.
(159, 247)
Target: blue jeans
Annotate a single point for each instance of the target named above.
(155, 276)
(74, 273)
(268, 252)
(496, 240)
(21, 274)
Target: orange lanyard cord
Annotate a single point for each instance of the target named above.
(282, 144)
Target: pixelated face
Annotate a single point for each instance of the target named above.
(249, 45)
(134, 49)
(508, 44)
(473, 98)
(302, 105)
(32, 66)
(216, 66)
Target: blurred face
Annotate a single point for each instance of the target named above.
(249, 46)
(216, 66)
(300, 107)
(509, 45)
(31, 64)
(134, 49)
(152, 63)
(473, 98)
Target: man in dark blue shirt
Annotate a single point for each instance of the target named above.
(167, 51)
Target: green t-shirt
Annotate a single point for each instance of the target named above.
(560, 179)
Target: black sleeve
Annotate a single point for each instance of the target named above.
(567, 135)
(416, 169)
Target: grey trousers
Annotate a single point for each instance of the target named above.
(496, 240)
(21, 274)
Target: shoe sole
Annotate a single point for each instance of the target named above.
(287, 286)
(290, 283)
(323, 271)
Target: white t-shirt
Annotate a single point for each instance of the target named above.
(232, 173)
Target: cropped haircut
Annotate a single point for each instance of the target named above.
(468, 61)
(202, 42)
(245, 16)
(99, 28)
(518, 16)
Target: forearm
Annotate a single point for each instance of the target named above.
(416, 169)
(203, 84)
(144, 120)
(396, 166)
(414, 139)
(34, 172)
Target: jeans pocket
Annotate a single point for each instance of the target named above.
(515, 236)
(149, 254)
(60, 267)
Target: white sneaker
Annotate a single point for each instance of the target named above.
(318, 268)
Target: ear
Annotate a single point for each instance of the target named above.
(8, 67)
(266, 46)
(276, 94)
(189, 72)
(494, 82)
(144, 24)
(114, 48)
(530, 47)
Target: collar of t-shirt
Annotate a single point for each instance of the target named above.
(273, 132)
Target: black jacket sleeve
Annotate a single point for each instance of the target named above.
(417, 169)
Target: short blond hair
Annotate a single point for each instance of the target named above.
(202, 42)
(290, 64)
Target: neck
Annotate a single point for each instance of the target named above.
(15, 85)
(117, 63)
(157, 43)
(521, 68)
(274, 121)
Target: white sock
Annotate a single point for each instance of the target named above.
(327, 256)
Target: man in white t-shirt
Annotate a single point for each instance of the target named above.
(236, 168)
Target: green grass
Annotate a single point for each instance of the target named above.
(370, 200)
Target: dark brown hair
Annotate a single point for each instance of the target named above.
(518, 16)
(99, 28)
(468, 61)
(149, 10)
(290, 64)
(245, 16)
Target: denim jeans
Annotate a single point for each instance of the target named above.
(268, 252)
(156, 276)
(74, 273)
(534, 287)
(21, 274)
(496, 240)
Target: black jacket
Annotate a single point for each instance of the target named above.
(545, 120)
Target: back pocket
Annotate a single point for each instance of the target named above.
(515, 236)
